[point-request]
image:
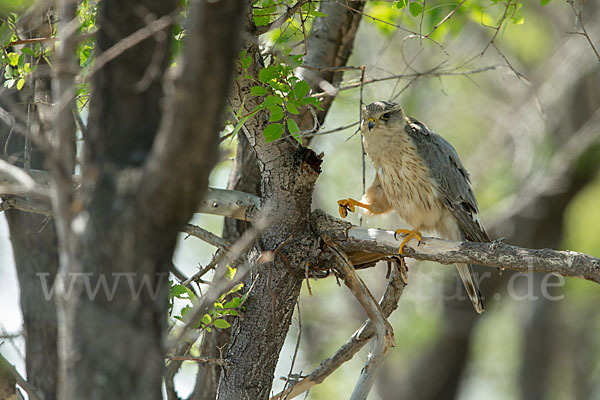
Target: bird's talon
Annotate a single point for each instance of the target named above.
(348, 205)
(408, 234)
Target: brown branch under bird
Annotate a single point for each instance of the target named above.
(420, 176)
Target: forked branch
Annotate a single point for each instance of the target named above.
(388, 303)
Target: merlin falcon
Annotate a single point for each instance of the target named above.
(420, 176)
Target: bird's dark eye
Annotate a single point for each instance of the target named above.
(385, 116)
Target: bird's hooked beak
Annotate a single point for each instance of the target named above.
(371, 123)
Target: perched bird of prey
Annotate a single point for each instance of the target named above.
(420, 176)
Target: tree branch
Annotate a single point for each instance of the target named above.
(31, 391)
(284, 17)
(375, 244)
(205, 235)
(388, 303)
(384, 334)
(378, 244)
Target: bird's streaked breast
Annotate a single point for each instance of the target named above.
(405, 179)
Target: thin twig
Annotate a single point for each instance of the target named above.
(362, 143)
(289, 375)
(585, 32)
(221, 285)
(446, 18)
(29, 41)
(384, 334)
(388, 303)
(205, 235)
(282, 18)
(29, 205)
(497, 28)
(128, 42)
(212, 264)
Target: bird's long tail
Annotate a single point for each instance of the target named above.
(466, 275)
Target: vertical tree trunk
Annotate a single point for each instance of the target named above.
(286, 186)
(144, 173)
(34, 244)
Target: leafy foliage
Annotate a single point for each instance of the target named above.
(229, 304)
(282, 94)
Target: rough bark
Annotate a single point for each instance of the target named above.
(132, 206)
(288, 181)
(326, 38)
(34, 244)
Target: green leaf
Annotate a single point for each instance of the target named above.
(268, 73)
(177, 290)
(28, 50)
(20, 83)
(400, 4)
(5, 35)
(271, 101)
(239, 125)
(37, 47)
(544, 2)
(206, 319)
(415, 8)
(301, 89)
(294, 129)
(230, 274)
(258, 91)
(273, 132)
(276, 113)
(284, 87)
(185, 310)
(245, 59)
(317, 14)
(21, 62)
(236, 288)
(313, 101)
(291, 108)
(261, 20)
(222, 324)
(294, 61)
(233, 303)
(13, 58)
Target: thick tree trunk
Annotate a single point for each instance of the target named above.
(144, 174)
(258, 338)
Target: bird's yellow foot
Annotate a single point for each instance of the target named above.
(348, 205)
(409, 234)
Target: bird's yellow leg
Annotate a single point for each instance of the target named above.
(409, 234)
(348, 205)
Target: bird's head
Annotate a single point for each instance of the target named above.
(383, 115)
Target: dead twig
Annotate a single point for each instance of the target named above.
(388, 303)
(205, 235)
(384, 334)
(585, 32)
